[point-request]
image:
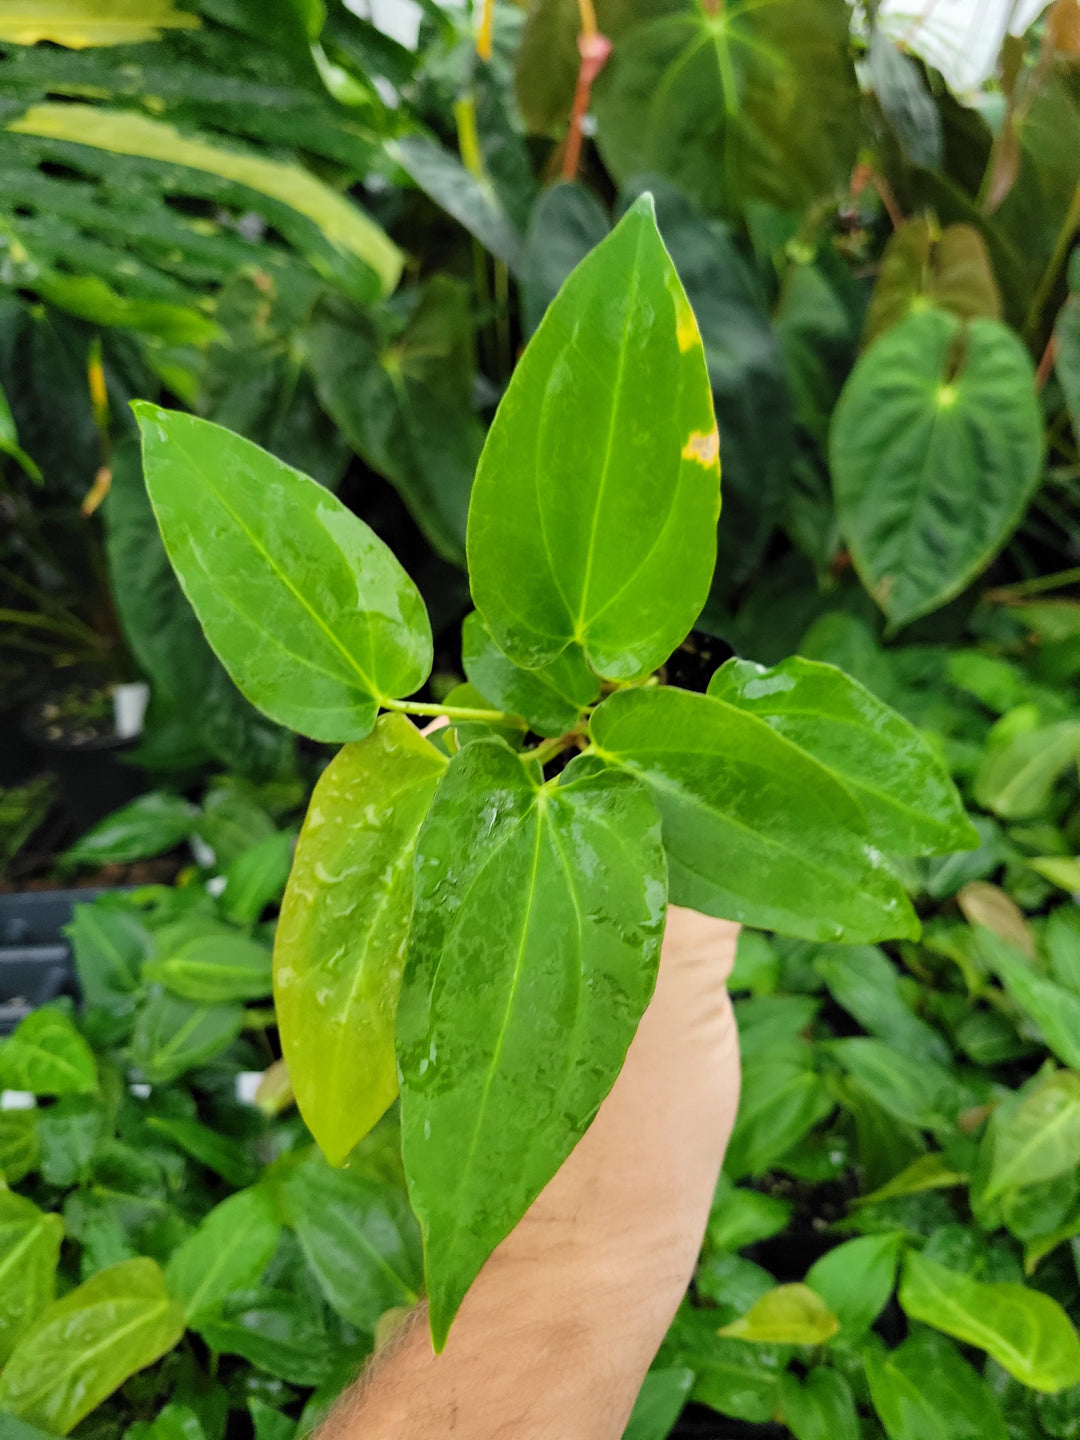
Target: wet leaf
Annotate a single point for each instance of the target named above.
(593, 513)
(936, 448)
(244, 532)
(911, 803)
(788, 1315)
(923, 1390)
(550, 699)
(228, 1252)
(755, 830)
(535, 938)
(29, 1254)
(1025, 1331)
(79, 23)
(47, 1056)
(84, 1346)
(340, 942)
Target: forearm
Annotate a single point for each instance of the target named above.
(560, 1326)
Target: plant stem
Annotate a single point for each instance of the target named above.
(69, 629)
(452, 712)
(548, 749)
(1035, 586)
(1053, 269)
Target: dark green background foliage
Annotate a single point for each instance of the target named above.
(336, 246)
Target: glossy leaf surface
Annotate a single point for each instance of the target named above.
(566, 223)
(309, 611)
(402, 394)
(923, 1390)
(856, 1278)
(593, 513)
(550, 699)
(276, 1330)
(910, 802)
(340, 943)
(936, 449)
(47, 1056)
(75, 23)
(1025, 1331)
(533, 952)
(755, 830)
(787, 1315)
(228, 1252)
(173, 1035)
(214, 967)
(750, 102)
(84, 1346)
(29, 1254)
(358, 1236)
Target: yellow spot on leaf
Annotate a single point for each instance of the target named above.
(705, 449)
(686, 330)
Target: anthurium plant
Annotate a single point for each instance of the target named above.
(473, 920)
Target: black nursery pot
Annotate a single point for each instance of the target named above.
(19, 757)
(74, 734)
(35, 959)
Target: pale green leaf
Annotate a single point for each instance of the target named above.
(29, 1254)
(47, 1056)
(788, 1315)
(1037, 1140)
(80, 23)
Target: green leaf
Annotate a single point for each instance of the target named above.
(277, 1332)
(228, 1252)
(754, 829)
(173, 1036)
(78, 23)
(1037, 1140)
(85, 1346)
(472, 202)
(220, 1153)
(742, 1217)
(749, 102)
(1055, 1010)
(174, 1422)
(936, 449)
(270, 1424)
(923, 1390)
(245, 534)
(29, 1254)
(19, 1148)
(566, 223)
(358, 1236)
(911, 804)
(402, 394)
(213, 968)
(9, 438)
(1019, 774)
(47, 1056)
(69, 1134)
(660, 1400)
(928, 1172)
(787, 1315)
(1067, 363)
(593, 512)
(16, 1430)
(865, 982)
(782, 1100)
(231, 822)
(550, 699)
(913, 1089)
(530, 901)
(855, 1279)
(1025, 1331)
(923, 266)
(256, 878)
(822, 1408)
(125, 132)
(148, 826)
(336, 977)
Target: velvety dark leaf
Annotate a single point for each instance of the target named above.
(567, 222)
(925, 265)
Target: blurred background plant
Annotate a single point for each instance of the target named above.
(332, 228)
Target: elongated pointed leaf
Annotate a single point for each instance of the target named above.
(308, 610)
(173, 1035)
(29, 1253)
(340, 944)
(228, 1252)
(788, 1315)
(910, 802)
(855, 1279)
(550, 699)
(47, 1056)
(79, 23)
(213, 968)
(936, 449)
(533, 953)
(342, 226)
(755, 830)
(1025, 1331)
(1054, 1009)
(923, 1390)
(1039, 1139)
(84, 1346)
(593, 512)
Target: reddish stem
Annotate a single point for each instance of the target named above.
(1046, 364)
(594, 50)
